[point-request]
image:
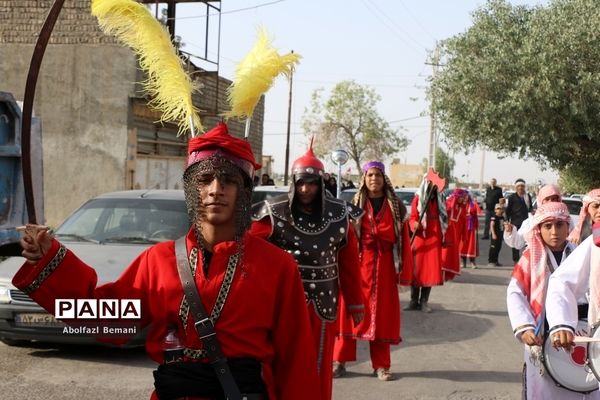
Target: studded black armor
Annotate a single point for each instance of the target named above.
(314, 245)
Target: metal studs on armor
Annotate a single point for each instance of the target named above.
(312, 286)
(342, 230)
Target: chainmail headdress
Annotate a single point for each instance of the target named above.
(228, 159)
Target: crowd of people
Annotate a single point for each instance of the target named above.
(332, 274)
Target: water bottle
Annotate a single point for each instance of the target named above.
(172, 347)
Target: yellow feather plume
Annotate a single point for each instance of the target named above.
(255, 75)
(169, 86)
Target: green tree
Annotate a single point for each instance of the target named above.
(348, 119)
(444, 165)
(524, 81)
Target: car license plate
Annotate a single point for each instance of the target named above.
(39, 320)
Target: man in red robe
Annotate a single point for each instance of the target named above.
(469, 250)
(384, 241)
(250, 288)
(316, 229)
(428, 219)
(456, 205)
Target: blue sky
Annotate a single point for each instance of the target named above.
(380, 43)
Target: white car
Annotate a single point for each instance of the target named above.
(107, 232)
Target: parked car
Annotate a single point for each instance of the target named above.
(265, 192)
(573, 204)
(107, 232)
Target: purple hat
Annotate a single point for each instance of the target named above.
(373, 164)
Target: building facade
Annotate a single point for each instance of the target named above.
(98, 134)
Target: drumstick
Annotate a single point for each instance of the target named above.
(585, 339)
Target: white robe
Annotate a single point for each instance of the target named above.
(539, 387)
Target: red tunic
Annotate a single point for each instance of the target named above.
(427, 248)
(264, 316)
(324, 332)
(469, 246)
(379, 278)
(453, 238)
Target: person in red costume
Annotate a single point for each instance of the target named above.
(249, 287)
(316, 229)
(469, 250)
(427, 246)
(384, 238)
(456, 205)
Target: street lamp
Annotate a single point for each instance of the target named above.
(339, 157)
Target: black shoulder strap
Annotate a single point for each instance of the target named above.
(203, 324)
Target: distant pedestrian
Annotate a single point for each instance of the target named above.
(456, 206)
(469, 250)
(493, 194)
(427, 247)
(264, 179)
(517, 211)
(496, 235)
(515, 238)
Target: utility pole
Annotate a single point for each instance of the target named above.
(432, 134)
(287, 142)
(482, 169)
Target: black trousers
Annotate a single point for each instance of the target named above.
(486, 227)
(516, 254)
(495, 246)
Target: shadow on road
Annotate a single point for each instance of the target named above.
(130, 357)
(465, 376)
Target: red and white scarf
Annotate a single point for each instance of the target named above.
(589, 198)
(532, 271)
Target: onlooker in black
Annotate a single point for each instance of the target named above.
(517, 210)
(330, 184)
(493, 194)
(496, 233)
(264, 179)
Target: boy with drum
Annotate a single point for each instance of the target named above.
(548, 247)
(579, 277)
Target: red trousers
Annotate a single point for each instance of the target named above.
(344, 350)
(323, 336)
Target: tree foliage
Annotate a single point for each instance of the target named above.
(444, 165)
(525, 81)
(348, 119)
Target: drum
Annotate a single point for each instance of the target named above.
(570, 370)
(594, 353)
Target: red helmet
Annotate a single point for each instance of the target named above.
(308, 164)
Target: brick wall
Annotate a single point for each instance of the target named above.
(22, 20)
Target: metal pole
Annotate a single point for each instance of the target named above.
(287, 142)
(339, 181)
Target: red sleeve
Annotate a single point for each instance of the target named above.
(349, 270)
(407, 255)
(262, 228)
(295, 359)
(62, 275)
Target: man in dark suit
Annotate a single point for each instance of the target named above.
(493, 194)
(517, 210)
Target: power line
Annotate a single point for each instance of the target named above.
(382, 16)
(230, 11)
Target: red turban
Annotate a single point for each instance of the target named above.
(218, 140)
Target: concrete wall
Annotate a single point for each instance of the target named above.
(85, 96)
(82, 99)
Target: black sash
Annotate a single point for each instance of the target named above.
(182, 379)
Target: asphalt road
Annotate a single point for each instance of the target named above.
(464, 349)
